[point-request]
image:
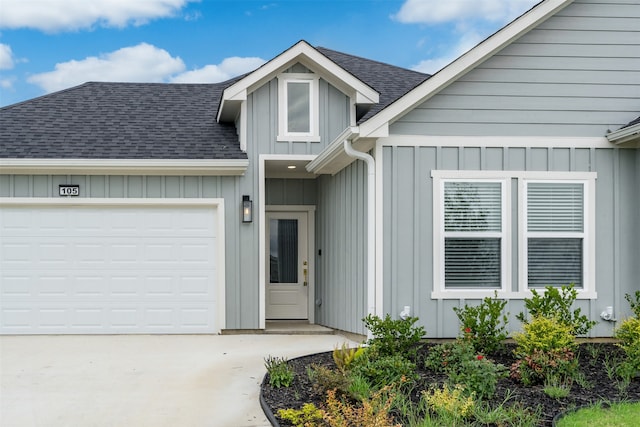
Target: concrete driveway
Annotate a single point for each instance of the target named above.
(141, 380)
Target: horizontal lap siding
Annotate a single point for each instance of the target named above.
(408, 224)
(577, 74)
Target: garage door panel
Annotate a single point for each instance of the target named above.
(108, 270)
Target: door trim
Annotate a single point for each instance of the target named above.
(310, 210)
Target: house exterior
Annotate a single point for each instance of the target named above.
(323, 187)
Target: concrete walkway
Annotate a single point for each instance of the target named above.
(128, 380)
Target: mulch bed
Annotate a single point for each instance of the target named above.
(600, 388)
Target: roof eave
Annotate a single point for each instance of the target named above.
(187, 167)
(626, 137)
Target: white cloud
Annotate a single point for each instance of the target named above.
(7, 83)
(430, 66)
(228, 68)
(433, 11)
(141, 63)
(65, 15)
(6, 57)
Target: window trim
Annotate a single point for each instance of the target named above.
(440, 235)
(512, 287)
(588, 234)
(314, 117)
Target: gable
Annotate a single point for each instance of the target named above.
(575, 74)
(305, 55)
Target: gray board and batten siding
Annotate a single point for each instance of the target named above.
(262, 131)
(408, 225)
(577, 74)
(566, 78)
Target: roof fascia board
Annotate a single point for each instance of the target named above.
(310, 57)
(626, 134)
(463, 64)
(333, 150)
(171, 167)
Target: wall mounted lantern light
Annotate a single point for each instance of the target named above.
(247, 209)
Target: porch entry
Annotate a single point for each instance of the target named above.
(287, 293)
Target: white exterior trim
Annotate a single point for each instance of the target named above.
(463, 64)
(262, 225)
(311, 242)
(311, 58)
(496, 141)
(379, 272)
(314, 114)
(588, 290)
(439, 290)
(217, 203)
(589, 178)
(123, 167)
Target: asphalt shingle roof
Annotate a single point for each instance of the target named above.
(631, 123)
(390, 81)
(154, 120)
(118, 121)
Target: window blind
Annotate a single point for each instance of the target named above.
(473, 206)
(472, 240)
(555, 225)
(555, 207)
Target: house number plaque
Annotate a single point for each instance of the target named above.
(69, 190)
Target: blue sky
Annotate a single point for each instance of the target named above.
(49, 45)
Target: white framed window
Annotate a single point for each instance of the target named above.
(479, 215)
(556, 245)
(471, 228)
(298, 115)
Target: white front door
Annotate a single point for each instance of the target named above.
(287, 293)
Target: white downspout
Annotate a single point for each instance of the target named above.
(371, 224)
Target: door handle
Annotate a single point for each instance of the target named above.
(305, 272)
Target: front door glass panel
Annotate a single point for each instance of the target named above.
(283, 256)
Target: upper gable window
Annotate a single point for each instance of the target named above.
(298, 107)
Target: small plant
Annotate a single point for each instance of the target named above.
(372, 412)
(556, 303)
(391, 337)
(634, 302)
(307, 416)
(450, 403)
(629, 335)
(344, 356)
(556, 390)
(325, 379)
(544, 334)
(384, 370)
(280, 373)
(485, 324)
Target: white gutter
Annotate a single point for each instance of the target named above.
(371, 224)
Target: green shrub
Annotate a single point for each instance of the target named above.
(485, 324)
(634, 303)
(544, 334)
(464, 366)
(451, 404)
(308, 416)
(448, 356)
(383, 370)
(280, 373)
(556, 303)
(546, 353)
(392, 337)
(629, 335)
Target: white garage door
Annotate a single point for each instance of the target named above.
(108, 269)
